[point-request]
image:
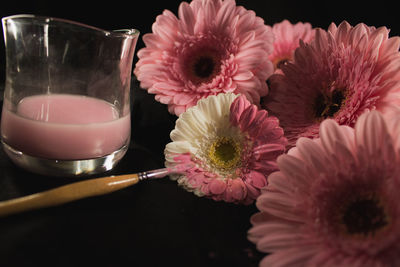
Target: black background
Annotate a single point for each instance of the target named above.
(154, 223)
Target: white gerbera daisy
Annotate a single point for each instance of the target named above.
(232, 144)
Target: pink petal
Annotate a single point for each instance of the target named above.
(392, 45)
(261, 217)
(237, 108)
(278, 236)
(268, 227)
(178, 110)
(252, 192)
(331, 133)
(217, 187)
(279, 205)
(187, 17)
(258, 123)
(295, 170)
(247, 36)
(265, 166)
(247, 117)
(196, 180)
(238, 188)
(210, 10)
(278, 181)
(268, 151)
(225, 14)
(312, 151)
(371, 132)
(342, 30)
(257, 179)
(242, 76)
(183, 99)
(163, 99)
(150, 40)
(297, 256)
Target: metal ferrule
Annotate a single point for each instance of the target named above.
(143, 176)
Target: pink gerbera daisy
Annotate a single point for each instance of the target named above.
(287, 37)
(213, 46)
(342, 73)
(335, 200)
(232, 145)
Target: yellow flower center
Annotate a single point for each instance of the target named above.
(224, 153)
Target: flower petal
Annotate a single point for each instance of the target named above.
(187, 18)
(238, 189)
(278, 181)
(295, 171)
(265, 232)
(279, 205)
(278, 236)
(237, 108)
(217, 187)
(371, 133)
(247, 117)
(297, 256)
(256, 178)
(331, 134)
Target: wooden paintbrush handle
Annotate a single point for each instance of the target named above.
(68, 193)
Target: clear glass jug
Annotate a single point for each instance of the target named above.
(66, 108)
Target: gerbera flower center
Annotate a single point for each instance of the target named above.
(224, 153)
(202, 66)
(364, 216)
(280, 62)
(326, 106)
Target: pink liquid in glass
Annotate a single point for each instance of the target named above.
(65, 127)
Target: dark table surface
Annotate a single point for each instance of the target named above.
(153, 223)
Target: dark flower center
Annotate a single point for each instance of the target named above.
(364, 216)
(282, 63)
(204, 67)
(326, 106)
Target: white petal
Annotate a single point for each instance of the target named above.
(215, 108)
(183, 132)
(180, 147)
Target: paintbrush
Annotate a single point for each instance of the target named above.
(83, 189)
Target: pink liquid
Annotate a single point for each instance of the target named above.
(65, 127)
